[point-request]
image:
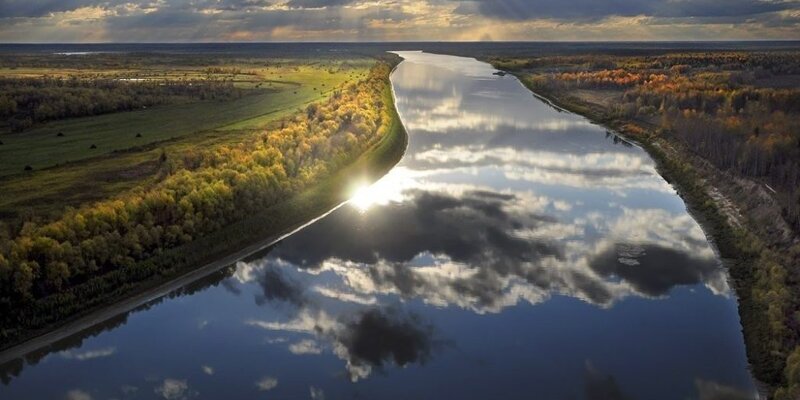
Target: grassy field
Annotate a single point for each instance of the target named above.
(67, 171)
(265, 223)
(281, 91)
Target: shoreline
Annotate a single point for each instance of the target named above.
(373, 163)
(130, 303)
(692, 184)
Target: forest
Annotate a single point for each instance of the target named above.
(26, 101)
(717, 122)
(54, 266)
(740, 111)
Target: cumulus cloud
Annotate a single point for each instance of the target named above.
(485, 251)
(543, 213)
(275, 286)
(316, 393)
(88, 354)
(368, 340)
(598, 9)
(77, 394)
(265, 20)
(173, 389)
(345, 296)
(41, 8)
(381, 336)
(267, 383)
(128, 390)
(305, 346)
(317, 3)
(435, 222)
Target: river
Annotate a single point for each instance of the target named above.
(515, 252)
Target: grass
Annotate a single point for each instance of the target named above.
(90, 296)
(66, 172)
(41, 148)
(46, 192)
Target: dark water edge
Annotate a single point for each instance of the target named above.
(224, 247)
(733, 245)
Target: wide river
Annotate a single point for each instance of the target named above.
(516, 252)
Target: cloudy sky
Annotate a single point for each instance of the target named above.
(401, 20)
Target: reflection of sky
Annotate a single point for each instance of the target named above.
(515, 252)
(489, 168)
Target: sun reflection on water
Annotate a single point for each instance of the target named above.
(388, 189)
(364, 197)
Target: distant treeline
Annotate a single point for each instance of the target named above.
(198, 193)
(740, 111)
(26, 101)
(136, 60)
(776, 63)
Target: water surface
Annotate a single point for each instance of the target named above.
(516, 252)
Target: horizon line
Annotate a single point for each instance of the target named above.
(416, 41)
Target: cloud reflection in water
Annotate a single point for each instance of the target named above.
(514, 250)
(494, 204)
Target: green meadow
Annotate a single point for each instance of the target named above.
(70, 161)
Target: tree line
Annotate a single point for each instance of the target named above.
(26, 101)
(199, 192)
(740, 111)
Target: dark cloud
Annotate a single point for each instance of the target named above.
(656, 269)
(232, 287)
(543, 9)
(190, 19)
(598, 9)
(235, 5)
(601, 386)
(476, 229)
(276, 286)
(591, 287)
(39, 8)
(317, 3)
(190, 22)
(169, 18)
(781, 21)
(716, 8)
(378, 337)
(504, 9)
(214, 20)
(473, 228)
(399, 276)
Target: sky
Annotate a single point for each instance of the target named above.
(394, 20)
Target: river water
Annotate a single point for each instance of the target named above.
(516, 252)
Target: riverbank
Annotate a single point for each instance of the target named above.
(732, 211)
(178, 266)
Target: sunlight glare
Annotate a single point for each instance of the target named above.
(387, 189)
(364, 197)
